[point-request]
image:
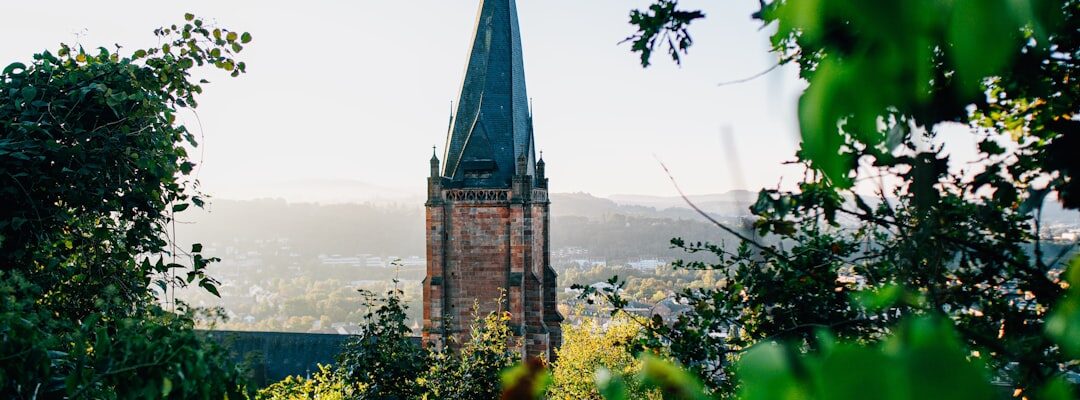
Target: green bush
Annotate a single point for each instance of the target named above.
(882, 230)
(472, 372)
(323, 385)
(590, 352)
(385, 362)
(93, 170)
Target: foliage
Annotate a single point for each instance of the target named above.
(928, 62)
(95, 164)
(924, 359)
(663, 24)
(933, 241)
(527, 380)
(151, 354)
(587, 348)
(383, 362)
(472, 372)
(93, 168)
(323, 385)
(1064, 323)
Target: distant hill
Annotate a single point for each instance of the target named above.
(605, 228)
(734, 198)
(310, 228)
(726, 205)
(324, 191)
(622, 227)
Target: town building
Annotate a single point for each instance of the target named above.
(487, 208)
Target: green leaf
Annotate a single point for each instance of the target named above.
(29, 93)
(166, 387)
(231, 37)
(880, 298)
(765, 374)
(671, 379)
(245, 38)
(527, 380)
(180, 207)
(855, 373)
(1034, 201)
(611, 386)
(984, 37)
(11, 68)
(937, 363)
(210, 287)
(196, 248)
(189, 16)
(1057, 389)
(819, 125)
(1063, 324)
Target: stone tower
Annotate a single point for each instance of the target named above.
(487, 208)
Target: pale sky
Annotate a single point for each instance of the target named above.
(358, 91)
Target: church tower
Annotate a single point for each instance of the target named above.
(487, 208)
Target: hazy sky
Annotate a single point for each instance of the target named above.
(347, 92)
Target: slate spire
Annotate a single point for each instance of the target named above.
(492, 127)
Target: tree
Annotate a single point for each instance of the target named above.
(324, 385)
(93, 168)
(472, 372)
(923, 358)
(383, 362)
(964, 247)
(589, 351)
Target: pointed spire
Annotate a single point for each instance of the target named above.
(450, 125)
(541, 180)
(492, 127)
(522, 164)
(434, 163)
